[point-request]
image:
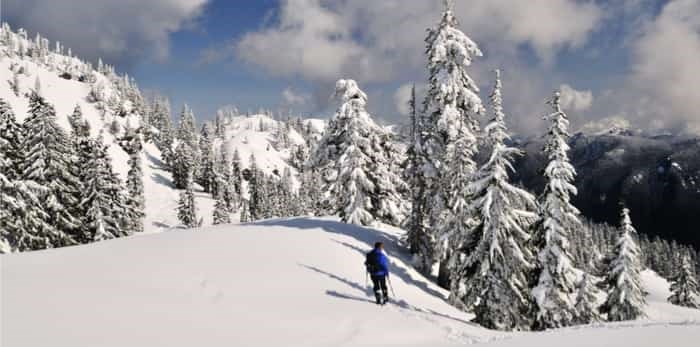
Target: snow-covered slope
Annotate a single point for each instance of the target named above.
(289, 282)
(257, 135)
(65, 94)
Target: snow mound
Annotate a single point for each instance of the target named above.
(287, 282)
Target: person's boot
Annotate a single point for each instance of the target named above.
(378, 296)
(385, 299)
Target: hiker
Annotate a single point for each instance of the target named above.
(377, 265)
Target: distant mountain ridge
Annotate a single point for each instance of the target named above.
(656, 176)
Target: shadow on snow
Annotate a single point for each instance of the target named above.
(367, 236)
(366, 290)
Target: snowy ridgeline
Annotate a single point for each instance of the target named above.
(112, 108)
(213, 287)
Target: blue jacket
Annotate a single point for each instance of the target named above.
(381, 260)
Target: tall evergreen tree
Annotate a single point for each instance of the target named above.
(187, 127)
(10, 141)
(23, 224)
(354, 155)
(684, 287)
(493, 277)
(78, 124)
(223, 180)
(161, 119)
(22, 218)
(101, 195)
(48, 159)
(207, 174)
(136, 201)
(187, 209)
(586, 301)
(448, 138)
(254, 196)
(555, 292)
(236, 171)
(625, 296)
(416, 225)
(245, 212)
(310, 194)
(183, 165)
(187, 134)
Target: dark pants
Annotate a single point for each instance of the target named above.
(380, 291)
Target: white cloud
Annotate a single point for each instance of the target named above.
(575, 100)
(309, 40)
(665, 68)
(606, 125)
(402, 96)
(117, 30)
(379, 40)
(292, 98)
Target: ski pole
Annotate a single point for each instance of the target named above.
(391, 287)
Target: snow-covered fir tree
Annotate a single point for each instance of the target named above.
(555, 292)
(48, 161)
(10, 141)
(263, 201)
(23, 224)
(187, 135)
(625, 295)
(187, 208)
(223, 180)
(221, 212)
(493, 261)
(254, 185)
(448, 139)
(245, 214)
(207, 174)
(310, 194)
(684, 286)
(236, 171)
(187, 127)
(586, 301)
(183, 165)
(354, 155)
(79, 126)
(22, 218)
(160, 119)
(136, 201)
(101, 197)
(416, 225)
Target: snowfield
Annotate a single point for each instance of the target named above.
(287, 282)
(159, 191)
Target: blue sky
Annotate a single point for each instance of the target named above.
(616, 60)
(206, 87)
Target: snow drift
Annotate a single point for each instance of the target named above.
(288, 282)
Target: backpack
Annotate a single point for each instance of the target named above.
(372, 262)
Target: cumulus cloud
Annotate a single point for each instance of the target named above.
(116, 30)
(293, 98)
(576, 100)
(376, 41)
(607, 125)
(665, 66)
